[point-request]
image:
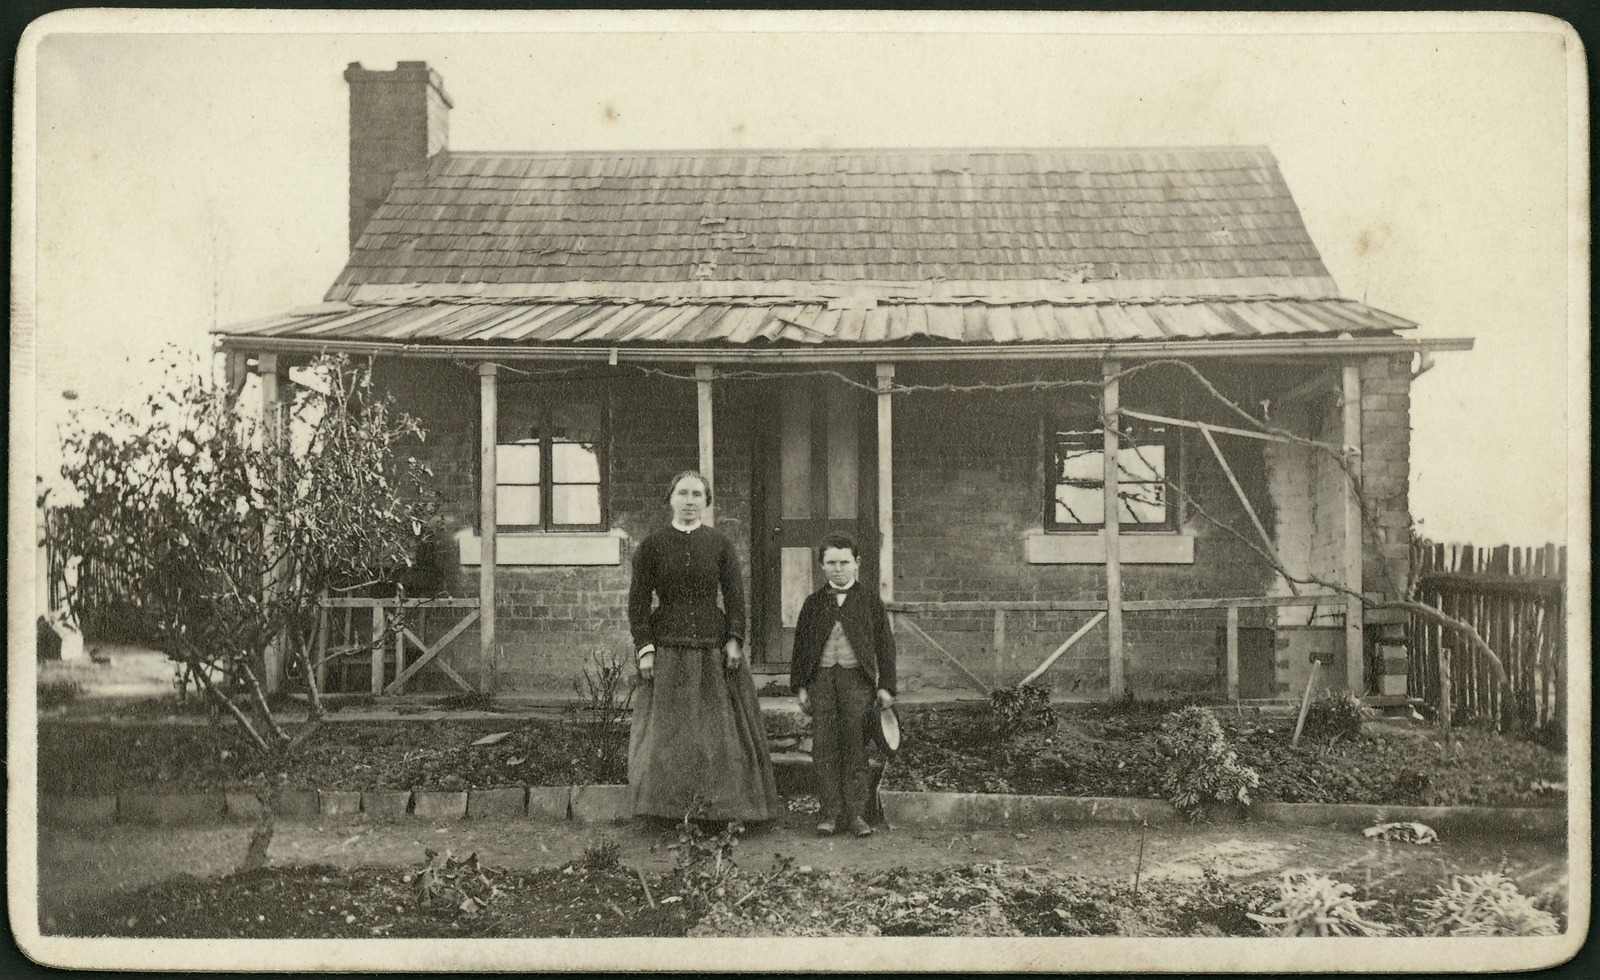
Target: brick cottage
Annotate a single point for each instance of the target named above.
(916, 346)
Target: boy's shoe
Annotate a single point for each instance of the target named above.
(826, 828)
(860, 827)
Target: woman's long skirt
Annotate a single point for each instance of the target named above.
(697, 737)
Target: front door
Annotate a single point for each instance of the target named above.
(810, 479)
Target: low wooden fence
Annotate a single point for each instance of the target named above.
(390, 637)
(906, 613)
(1516, 599)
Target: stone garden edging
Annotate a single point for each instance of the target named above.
(979, 809)
(609, 803)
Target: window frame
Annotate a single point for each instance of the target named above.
(544, 406)
(1170, 439)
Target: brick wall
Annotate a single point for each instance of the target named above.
(1386, 472)
(1293, 482)
(1310, 525)
(1310, 487)
(969, 488)
(970, 485)
(551, 618)
(1329, 485)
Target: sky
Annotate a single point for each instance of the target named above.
(193, 173)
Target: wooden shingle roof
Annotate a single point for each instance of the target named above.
(964, 249)
(1174, 221)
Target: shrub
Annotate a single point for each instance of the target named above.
(1335, 714)
(601, 684)
(1202, 768)
(601, 853)
(1311, 905)
(464, 885)
(1013, 710)
(602, 732)
(704, 859)
(1484, 905)
(217, 533)
(49, 641)
(466, 701)
(58, 691)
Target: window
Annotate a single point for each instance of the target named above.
(1146, 466)
(549, 464)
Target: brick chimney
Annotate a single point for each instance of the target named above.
(398, 120)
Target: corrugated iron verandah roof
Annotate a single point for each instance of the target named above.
(728, 322)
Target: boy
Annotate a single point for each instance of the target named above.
(842, 668)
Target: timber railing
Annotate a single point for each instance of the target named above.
(379, 631)
(905, 613)
(1516, 599)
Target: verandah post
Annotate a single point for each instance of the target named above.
(999, 645)
(488, 521)
(1351, 443)
(703, 373)
(885, 483)
(272, 418)
(1109, 397)
(1232, 665)
(324, 624)
(376, 654)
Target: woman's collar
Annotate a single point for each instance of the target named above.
(686, 528)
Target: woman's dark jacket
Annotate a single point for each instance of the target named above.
(684, 571)
(866, 626)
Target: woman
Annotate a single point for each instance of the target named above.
(697, 732)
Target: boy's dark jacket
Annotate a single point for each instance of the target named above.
(866, 626)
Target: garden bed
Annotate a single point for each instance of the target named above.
(107, 757)
(612, 900)
(1115, 750)
(1111, 750)
(321, 902)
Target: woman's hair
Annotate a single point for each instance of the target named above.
(838, 540)
(685, 474)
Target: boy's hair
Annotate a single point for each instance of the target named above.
(838, 540)
(685, 474)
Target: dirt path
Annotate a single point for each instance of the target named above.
(77, 864)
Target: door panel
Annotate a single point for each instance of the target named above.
(809, 480)
(844, 459)
(795, 450)
(795, 583)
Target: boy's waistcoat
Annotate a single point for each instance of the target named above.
(866, 626)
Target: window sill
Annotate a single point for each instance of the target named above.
(1145, 548)
(514, 548)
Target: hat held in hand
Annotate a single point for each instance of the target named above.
(883, 729)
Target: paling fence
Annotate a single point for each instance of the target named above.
(99, 598)
(1516, 599)
(51, 563)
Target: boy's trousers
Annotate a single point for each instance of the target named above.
(841, 697)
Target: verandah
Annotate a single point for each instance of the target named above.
(710, 369)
